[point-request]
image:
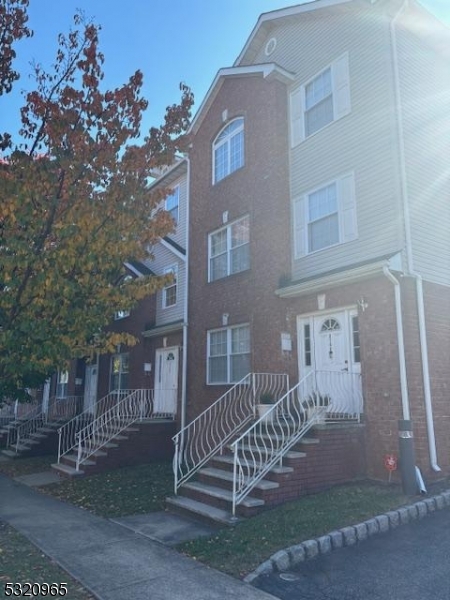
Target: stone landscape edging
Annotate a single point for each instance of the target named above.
(284, 560)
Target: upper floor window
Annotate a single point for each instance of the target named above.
(228, 150)
(229, 249)
(169, 297)
(121, 314)
(120, 370)
(228, 354)
(173, 203)
(321, 100)
(325, 216)
(62, 384)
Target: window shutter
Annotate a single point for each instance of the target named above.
(297, 124)
(341, 87)
(299, 227)
(347, 205)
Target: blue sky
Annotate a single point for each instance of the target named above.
(169, 40)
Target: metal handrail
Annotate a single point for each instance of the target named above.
(135, 407)
(67, 440)
(58, 408)
(267, 440)
(207, 434)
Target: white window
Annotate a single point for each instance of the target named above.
(229, 249)
(321, 100)
(325, 216)
(121, 314)
(228, 150)
(62, 384)
(228, 354)
(172, 204)
(120, 369)
(169, 297)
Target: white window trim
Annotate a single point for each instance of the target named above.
(228, 355)
(175, 191)
(170, 269)
(216, 145)
(121, 314)
(340, 83)
(346, 201)
(121, 372)
(228, 228)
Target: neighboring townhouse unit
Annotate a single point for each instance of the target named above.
(124, 407)
(319, 255)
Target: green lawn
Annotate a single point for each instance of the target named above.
(21, 562)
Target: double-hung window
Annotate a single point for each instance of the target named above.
(228, 150)
(229, 249)
(228, 354)
(169, 296)
(120, 369)
(62, 384)
(172, 204)
(321, 100)
(325, 216)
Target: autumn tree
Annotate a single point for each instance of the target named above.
(75, 203)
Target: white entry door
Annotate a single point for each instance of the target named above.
(329, 347)
(166, 381)
(46, 396)
(90, 388)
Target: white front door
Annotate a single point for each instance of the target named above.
(46, 396)
(166, 381)
(90, 388)
(329, 348)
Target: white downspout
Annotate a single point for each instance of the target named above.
(409, 253)
(186, 305)
(400, 343)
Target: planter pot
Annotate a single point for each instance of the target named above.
(263, 409)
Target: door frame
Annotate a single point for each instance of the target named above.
(90, 405)
(160, 398)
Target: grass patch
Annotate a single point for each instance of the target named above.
(22, 562)
(126, 491)
(26, 466)
(241, 549)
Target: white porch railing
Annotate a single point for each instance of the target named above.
(136, 406)
(58, 408)
(213, 428)
(67, 439)
(342, 389)
(267, 440)
(13, 410)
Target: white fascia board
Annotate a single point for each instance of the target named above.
(133, 269)
(344, 277)
(163, 329)
(267, 70)
(171, 173)
(177, 253)
(292, 11)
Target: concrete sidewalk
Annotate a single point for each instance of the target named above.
(110, 560)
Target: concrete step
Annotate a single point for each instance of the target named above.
(226, 460)
(202, 512)
(255, 451)
(71, 459)
(227, 476)
(67, 471)
(10, 453)
(220, 493)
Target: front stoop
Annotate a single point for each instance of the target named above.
(140, 443)
(42, 442)
(327, 456)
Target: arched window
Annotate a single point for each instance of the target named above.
(330, 325)
(228, 150)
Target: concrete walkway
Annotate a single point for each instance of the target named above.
(113, 562)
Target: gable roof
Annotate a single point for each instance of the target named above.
(266, 22)
(267, 70)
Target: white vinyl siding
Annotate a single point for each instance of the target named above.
(321, 100)
(325, 216)
(228, 352)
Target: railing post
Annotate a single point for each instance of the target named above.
(235, 456)
(175, 465)
(254, 394)
(59, 444)
(77, 466)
